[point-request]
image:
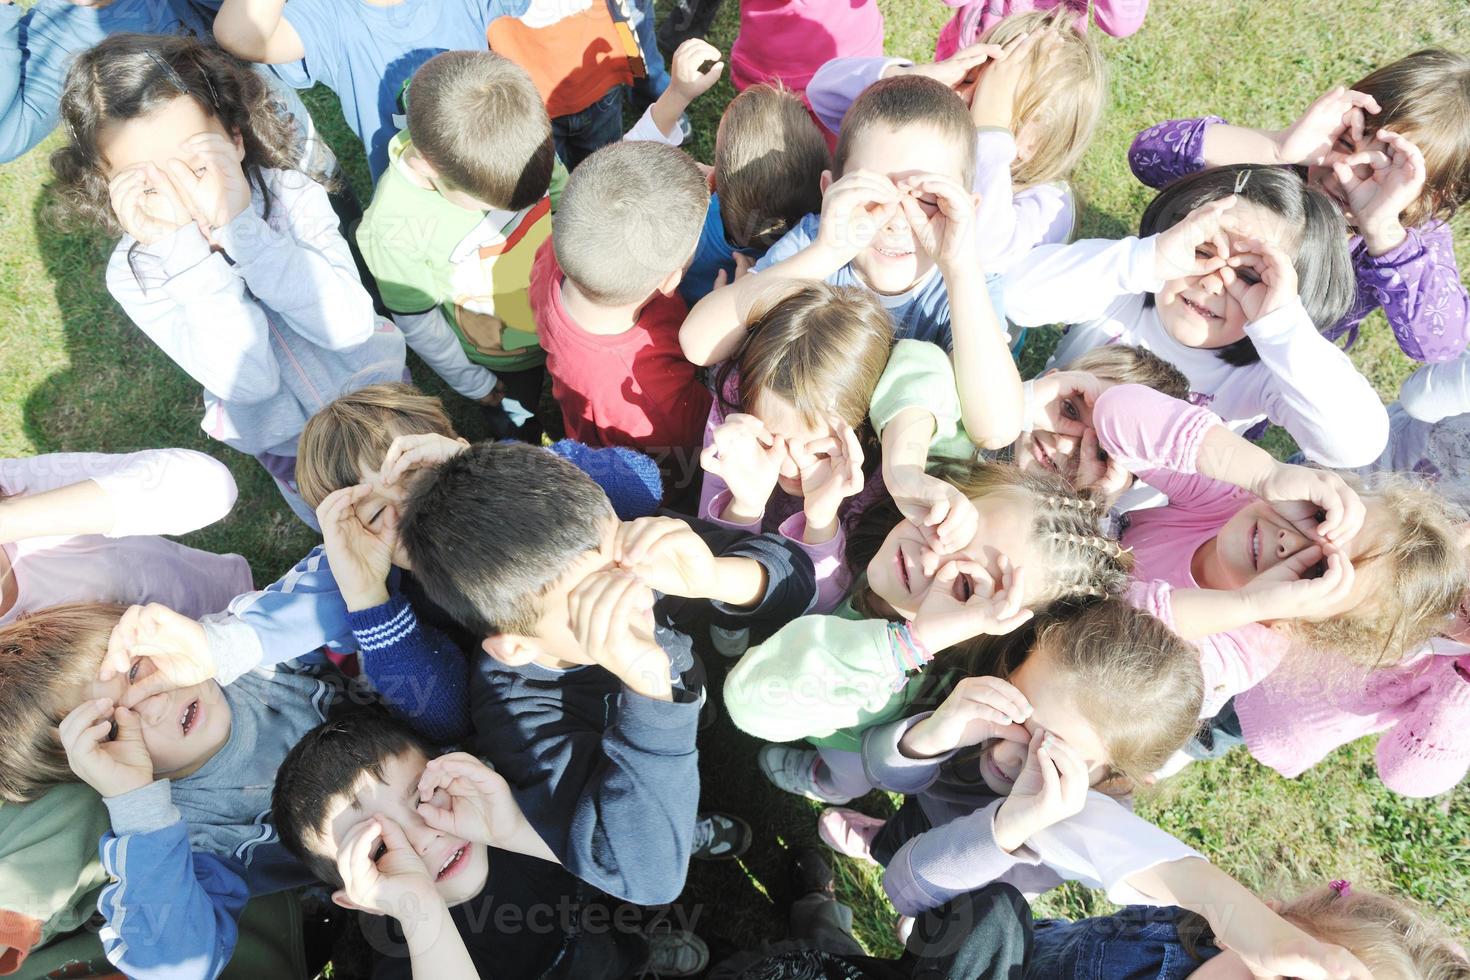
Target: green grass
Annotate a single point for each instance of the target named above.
(75, 375)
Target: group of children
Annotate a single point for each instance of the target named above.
(796, 437)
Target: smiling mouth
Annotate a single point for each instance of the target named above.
(903, 570)
(988, 760)
(1042, 456)
(451, 864)
(1256, 547)
(190, 716)
(1198, 310)
(893, 253)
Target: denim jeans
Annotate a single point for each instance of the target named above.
(645, 90)
(579, 134)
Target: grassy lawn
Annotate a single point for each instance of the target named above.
(75, 375)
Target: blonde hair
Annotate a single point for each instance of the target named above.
(44, 657)
(358, 428)
(769, 158)
(1423, 571)
(1426, 98)
(822, 348)
(1129, 365)
(1392, 938)
(1061, 93)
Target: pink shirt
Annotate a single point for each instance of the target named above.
(1119, 18)
(162, 491)
(1158, 438)
(788, 40)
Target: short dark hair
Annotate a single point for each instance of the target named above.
(488, 531)
(909, 100)
(1324, 267)
(327, 763)
(769, 159)
(479, 121)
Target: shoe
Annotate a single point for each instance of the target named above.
(720, 837)
(674, 953)
(795, 771)
(729, 643)
(849, 832)
(811, 874)
(709, 711)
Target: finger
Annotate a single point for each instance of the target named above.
(118, 658)
(1006, 697)
(1051, 777)
(82, 718)
(1363, 101)
(1014, 589)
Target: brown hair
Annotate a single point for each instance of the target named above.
(1422, 570)
(478, 120)
(1426, 98)
(769, 159)
(820, 347)
(1132, 678)
(44, 656)
(905, 101)
(1129, 365)
(1392, 938)
(358, 428)
(1061, 94)
(630, 215)
(128, 76)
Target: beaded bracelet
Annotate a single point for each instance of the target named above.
(909, 652)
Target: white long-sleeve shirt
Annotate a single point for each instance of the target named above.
(1302, 382)
(159, 491)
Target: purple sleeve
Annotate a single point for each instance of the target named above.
(948, 861)
(1158, 438)
(839, 82)
(1428, 752)
(888, 768)
(1418, 285)
(1169, 150)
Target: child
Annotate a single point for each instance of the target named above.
(81, 527)
(1240, 545)
(1207, 289)
(787, 42)
(178, 146)
(1035, 89)
(588, 694)
(782, 446)
(1394, 153)
(891, 214)
(602, 291)
(359, 791)
(769, 161)
(1032, 542)
(975, 18)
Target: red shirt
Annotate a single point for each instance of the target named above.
(630, 389)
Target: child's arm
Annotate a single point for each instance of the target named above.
(1436, 392)
(255, 30)
(1427, 753)
(157, 491)
(688, 80)
(1078, 282)
(421, 674)
(1119, 18)
(434, 340)
(1417, 282)
(33, 71)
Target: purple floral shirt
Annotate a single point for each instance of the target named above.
(1417, 284)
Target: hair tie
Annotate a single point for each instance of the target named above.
(1241, 179)
(1341, 887)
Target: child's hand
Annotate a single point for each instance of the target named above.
(1280, 949)
(747, 456)
(104, 747)
(210, 179)
(667, 555)
(360, 556)
(1260, 277)
(958, 71)
(1337, 513)
(610, 614)
(1310, 140)
(831, 471)
(147, 204)
(945, 228)
(1375, 199)
(1098, 473)
(1061, 401)
(480, 807)
(381, 872)
(1196, 246)
(963, 601)
(1288, 590)
(854, 209)
(993, 102)
(174, 645)
(978, 709)
(408, 453)
(687, 74)
(1051, 788)
(945, 516)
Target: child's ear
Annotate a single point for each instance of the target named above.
(239, 141)
(1027, 136)
(826, 180)
(511, 649)
(339, 898)
(671, 282)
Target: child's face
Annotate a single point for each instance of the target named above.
(894, 262)
(1259, 538)
(1054, 710)
(158, 137)
(1321, 177)
(458, 868)
(182, 729)
(782, 419)
(897, 572)
(1040, 451)
(1196, 310)
(381, 507)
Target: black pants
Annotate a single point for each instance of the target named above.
(909, 822)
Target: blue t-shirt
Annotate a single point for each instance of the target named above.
(919, 313)
(712, 255)
(365, 53)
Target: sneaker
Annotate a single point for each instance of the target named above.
(729, 643)
(674, 953)
(849, 832)
(720, 837)
(811, 874)
(795, 771)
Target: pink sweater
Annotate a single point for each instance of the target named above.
(1119, 18)
(1158, 438)
(1294, 718)
(788, 40)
